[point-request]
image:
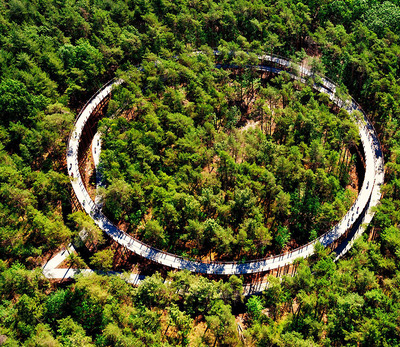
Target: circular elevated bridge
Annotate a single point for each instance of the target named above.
(340, 237)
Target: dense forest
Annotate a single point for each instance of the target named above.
(224, 165)
(53, 57)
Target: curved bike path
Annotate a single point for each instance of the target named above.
(368, 196)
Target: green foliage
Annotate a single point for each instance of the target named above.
(254, 307)
(17, 280)
(183, 174)
(103, 260)
(87, 229)
(154, 232)
(282, 237)
(383, 17)
(227, 181)
(17, 104)
(70, 333)
(222, 324)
